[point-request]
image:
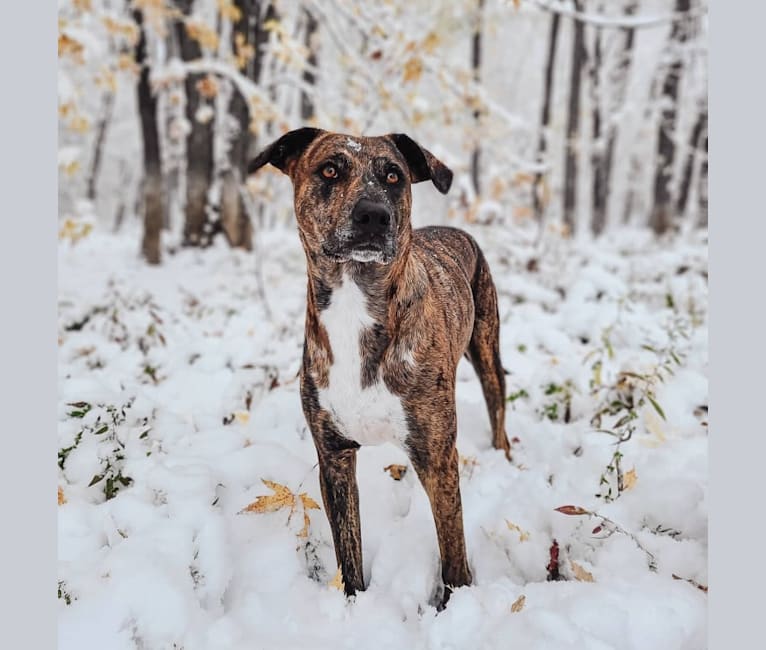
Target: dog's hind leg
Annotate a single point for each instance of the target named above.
(484, 352)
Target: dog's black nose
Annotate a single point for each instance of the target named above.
(371, 217)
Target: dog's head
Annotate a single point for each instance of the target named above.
(352, 194)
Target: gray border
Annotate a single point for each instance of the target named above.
(28, 474)
(738, 236)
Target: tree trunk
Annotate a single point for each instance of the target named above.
(235, 222)
(573, 122)
(661, 218)
(308, 111)
(539, 202)
(695, 141)
(619, 82)
(107, 107)
(198, 230)
(153, 203)
(598, 217)
(476, 66)
(702, 185)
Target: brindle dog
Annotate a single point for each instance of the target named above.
(390, 313)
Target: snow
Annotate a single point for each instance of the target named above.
(211, 407)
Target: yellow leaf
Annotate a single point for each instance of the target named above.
(629, 479)
(430, 42)
(518, 604)
(106, 80)
(126, 63)
(308, 502)
(243, 417)
(396, 471)
(337, 581)
(523, 534)
(467, 465)
(62, 498)
(581, 574)
(70, 47)
(282, 498)
(71, 168)
(413, 69)
(125, 29)
(79, 124)
(229, 10)
(202, 33)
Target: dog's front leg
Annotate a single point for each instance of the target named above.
(434, 456)
(337, 478)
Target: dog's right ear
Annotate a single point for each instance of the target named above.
(282, 152)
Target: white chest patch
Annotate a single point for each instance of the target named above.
(369, 416)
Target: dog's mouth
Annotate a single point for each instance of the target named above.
(363, 252)
(368, 253)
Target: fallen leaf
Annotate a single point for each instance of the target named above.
(308, 502)
(396, 471)
(581, 574)
(243, 417)
(571, 510)
(629, 479)
(282, 498)
(518, 604)
(523, 534)
(62, 498)
(337, 581)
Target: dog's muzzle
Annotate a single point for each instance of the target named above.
(371, 233)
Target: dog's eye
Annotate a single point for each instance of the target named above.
(392, 178)
(329, 171)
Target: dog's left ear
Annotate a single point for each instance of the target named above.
(285, 150)
(422, 163)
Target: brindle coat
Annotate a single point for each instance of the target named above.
(429, 300)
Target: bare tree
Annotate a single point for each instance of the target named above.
(152, 186)
(660, 218)
(699, 130)
(545, 115)
(618, 78)
(598, 216)
(573, 121)
(107, 108)
(476, 46)
(235, 221)
(702, 185)
(308, 110)
(199, 142)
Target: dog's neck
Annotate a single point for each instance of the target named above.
(384, 285)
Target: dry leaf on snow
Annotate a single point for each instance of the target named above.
(581, 574)
(518, 604)
(629, 479)
(62, 498)
(283, 497)
(523, 534)
(337, 581)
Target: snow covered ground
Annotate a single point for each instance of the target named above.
(178, 397)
